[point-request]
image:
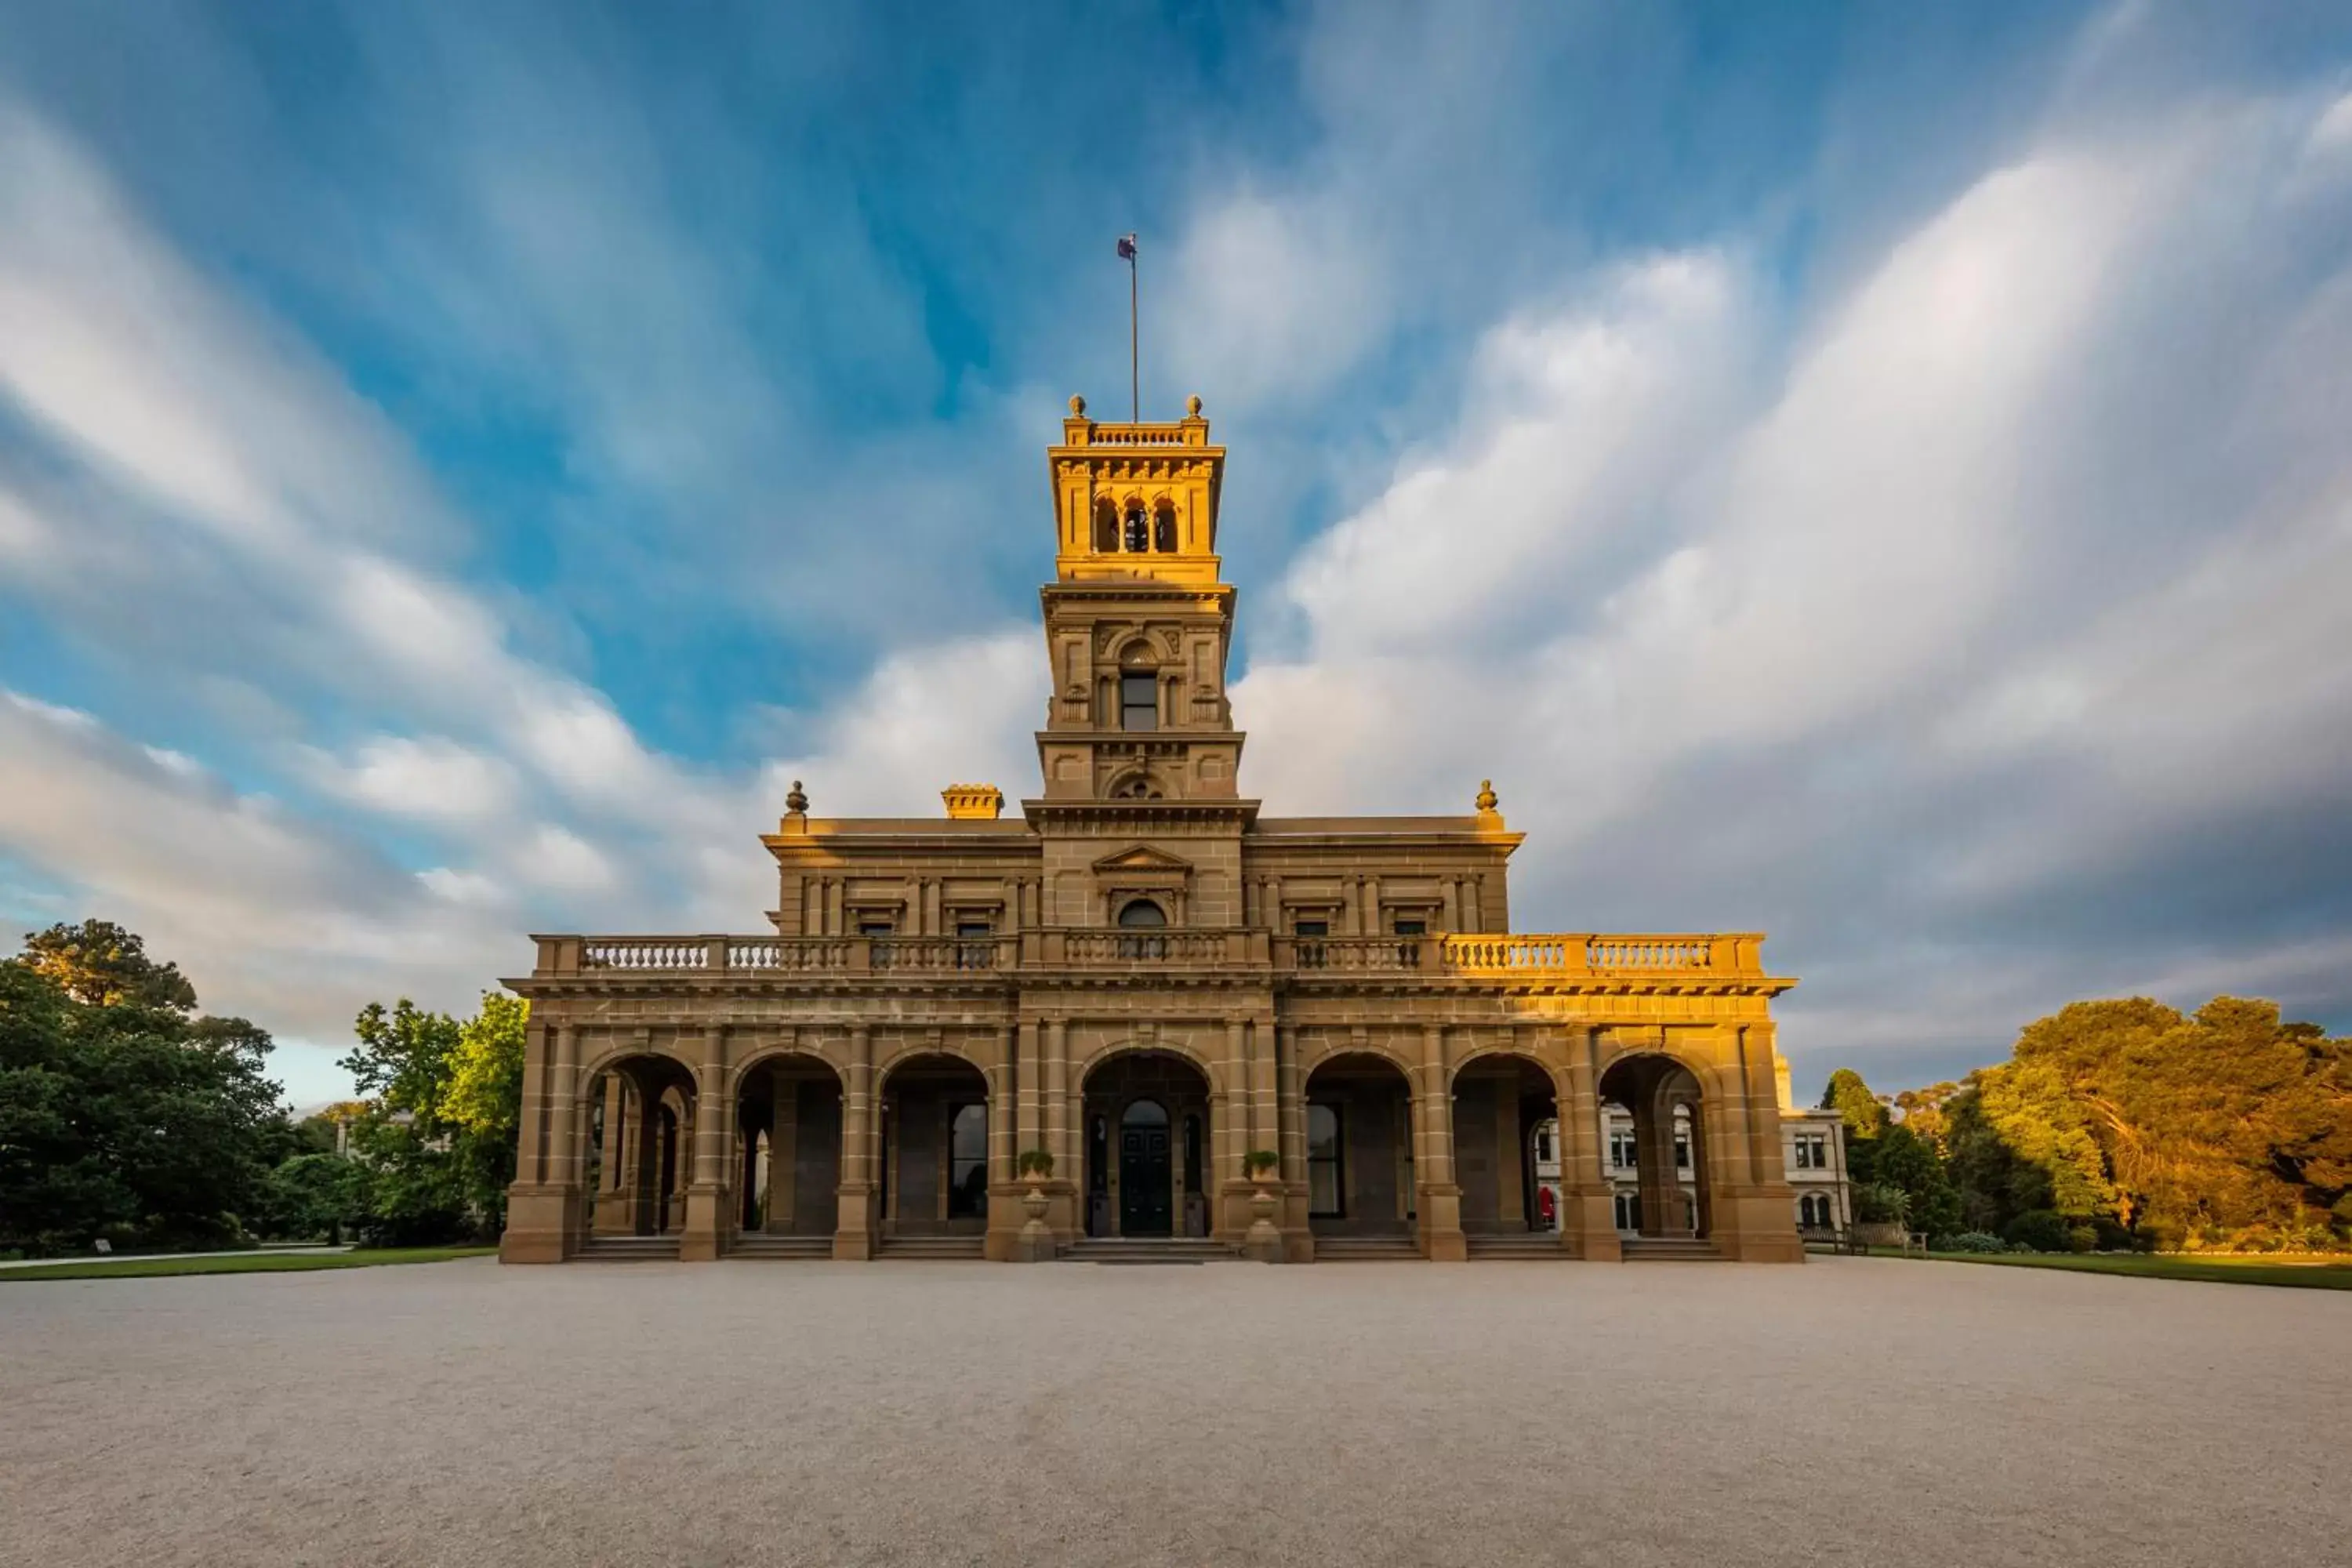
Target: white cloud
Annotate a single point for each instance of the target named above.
(430, 777)
(1275, 297)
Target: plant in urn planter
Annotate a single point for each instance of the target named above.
(1036, 1244)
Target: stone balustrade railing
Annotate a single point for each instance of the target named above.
(1531, 956)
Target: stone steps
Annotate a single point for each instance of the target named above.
(935, 1248)
(1147, 1249)
(765, 1245)
(629, 1249)
(1530, 1246)
(1670, 1250)
(1366, 1249)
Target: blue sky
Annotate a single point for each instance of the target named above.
(1873, 475)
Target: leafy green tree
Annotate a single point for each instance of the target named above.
(1904, 1161)
(318, 1197)
(100, 964)
(438, 1138)
(2133, 1123)
(122, 1114)
(1864, 1118)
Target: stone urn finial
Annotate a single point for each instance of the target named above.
(795, 801)
(1078, 406)
(1192, 407)
(1486, 800)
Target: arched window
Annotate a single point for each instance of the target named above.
(1139, 531)
(1142, 913)
(1105, 527)
(1144, 1113)
(1163, 529)
(1139, 787)
(1141, 922)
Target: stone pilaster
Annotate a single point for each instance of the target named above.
(1441, 1199)
(1587, 1213)
(853, 1235)
(708, 1212)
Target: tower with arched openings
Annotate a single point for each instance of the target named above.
(1140, 1013)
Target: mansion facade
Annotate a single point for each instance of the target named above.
(1140, 1013)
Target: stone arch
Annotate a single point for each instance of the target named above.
(638, 1139)
(1137, 654)
(1106, 526)
(1137, 783)
(986, 1063)
(769, 1055)
(1363, 1136)
(1330, 1044)
(1651, 1083)
(668, 1050)
(788, 1102)
(1163, 525)
(1156, 1175)
(1499, 1095)
(1082, 1068)
(937, 1113)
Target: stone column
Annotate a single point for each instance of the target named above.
(1297, 1241)
(784, 1155)
(853, 1235)
(1230, 1119)
(567, 1166)
(707, 1209)
(1653, 1160)
(1004, 1216)
(1441, 1200)
(1588, 1214)
(536, 1219)
(613, 1180)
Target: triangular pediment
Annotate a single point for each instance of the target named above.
(1142, 857)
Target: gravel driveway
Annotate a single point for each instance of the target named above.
(1851, 1411)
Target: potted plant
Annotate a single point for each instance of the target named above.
(1259, 1165)
(1034, 1165)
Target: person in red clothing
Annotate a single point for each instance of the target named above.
(1544, 1207)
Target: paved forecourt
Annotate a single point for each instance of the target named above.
(1851, 1411)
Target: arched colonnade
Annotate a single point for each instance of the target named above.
(862, 1135)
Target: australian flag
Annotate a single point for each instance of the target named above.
(1127, 248)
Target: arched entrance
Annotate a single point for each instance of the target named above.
(1670, 1196)
(1147, 1146)
(789, 1115)
(1498, 1102)
(1360, 1179)
(934, 1148)
(639, 1146)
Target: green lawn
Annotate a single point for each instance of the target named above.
(2316, 1276)
(244, 1263)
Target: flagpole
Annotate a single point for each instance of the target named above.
(1134, 360)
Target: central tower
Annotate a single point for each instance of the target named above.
(1138, 624)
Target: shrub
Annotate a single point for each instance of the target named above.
(1036, 1162)
(1971, 1241)
(1259, 1161)
(2039, 1230)
(1881, 1203)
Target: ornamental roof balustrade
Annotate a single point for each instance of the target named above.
(1531, 956)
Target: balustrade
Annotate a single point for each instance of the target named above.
(1531, 956)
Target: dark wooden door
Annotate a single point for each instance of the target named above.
(1144, 1174)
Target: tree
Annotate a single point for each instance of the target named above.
(120, 1114)
(1904, 1161)
(1864, 1117)
(100, 964)
(439, 1137)
(2132, 1123)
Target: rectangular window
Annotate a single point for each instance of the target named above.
(1621, 1150)
(1323, 1161)
(968, 1162)
(1312, 927)
(973, 949)
(1682, 1153)
(874, 927)
(1415, 927)
(1138, 702)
